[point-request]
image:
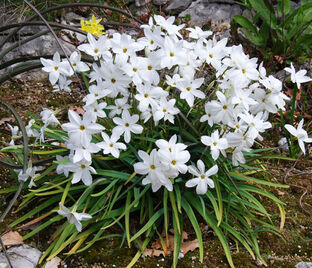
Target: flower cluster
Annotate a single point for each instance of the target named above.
(152, 79)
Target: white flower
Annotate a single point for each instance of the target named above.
(300, 134)
(81, 130)
(202, 177)
(96, 48)
(81, 151)
(78, 65)
(169, 25)
(63, 84)
(147, 96)
(96, 92)
(189, 89)
(166, 110)
(14, 133)
(222, 110)
(30, 172)
(152, 167)
(48, 117)
(197, 33)
(66, 165)
(216, 144)
(73, 217)
(55, 68)
(30, 131)
(127, 124)
(119, 107)
(96, 110)
(173, 156)
(110, 145)
(125, 46)
(82, 170)
(298, 77)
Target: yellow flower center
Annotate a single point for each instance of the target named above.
(202, 176)
(173, 162)
(152, 167)
(127, 125)
(214, 143)
(124, 50)
(56, 68)
(113, 80)
(82, 127)
(171, 54)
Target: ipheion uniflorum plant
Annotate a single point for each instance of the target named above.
(168, 129)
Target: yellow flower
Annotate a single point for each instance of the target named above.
(92, 26)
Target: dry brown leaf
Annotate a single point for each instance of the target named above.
(11, 239)
(156, 249)
(6, 119)
(154, 253)
(279, 59)
(54, 263)
(78, 110)
(189, 246)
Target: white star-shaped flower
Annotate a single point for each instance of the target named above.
(298, 77)
(202, 179)
(300, 134)
(73, 217)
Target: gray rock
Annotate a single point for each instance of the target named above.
(222, 1)
(177, 6)
(21, 257)
(160, 2)
(202, 12)
(73, 17)
(304, 265)
(140, 3)
(43, 45)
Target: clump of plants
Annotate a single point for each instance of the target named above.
(278, 29)
(167, 137)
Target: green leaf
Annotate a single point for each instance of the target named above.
(213, 224)
(266, 13)
(127, 217)
(242, 177)
(244, 22)
(177, 239)
(149, 224)
(283, 7)
(36, 210)
(191, 215)
(174, 209)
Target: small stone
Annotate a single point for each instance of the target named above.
(223, 1)
(22, 256)
(160, 2)
(140, 3)
(304, 265)
(177, 6)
